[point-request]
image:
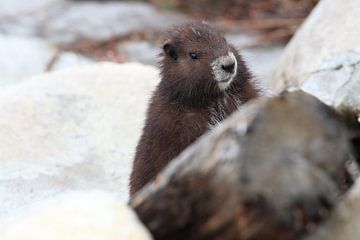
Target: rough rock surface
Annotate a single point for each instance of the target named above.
(78, 216)
(332, 28)
(337, 82)
(71, 130)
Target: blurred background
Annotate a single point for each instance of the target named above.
(47, 35)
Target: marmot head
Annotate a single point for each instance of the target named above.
(198, 65)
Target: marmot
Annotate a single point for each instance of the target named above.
(203, 80)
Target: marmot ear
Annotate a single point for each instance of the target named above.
(170, 50)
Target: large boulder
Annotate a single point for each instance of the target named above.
(78, 216)
(337, 82)
(71, 130)
(273, 170)
(331, 29)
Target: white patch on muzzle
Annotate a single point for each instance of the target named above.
(223, 77)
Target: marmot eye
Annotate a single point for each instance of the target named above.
(193, 56)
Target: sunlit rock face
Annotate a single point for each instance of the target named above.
(331, 29)
(71, 130)
(78, 216)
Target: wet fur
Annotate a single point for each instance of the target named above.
(187, 102)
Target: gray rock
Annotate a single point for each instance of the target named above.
(68, 60)
(21, 58)
(331, 29)
(12, 8)
(140, 51)
(25, 18)
(262, 61)
(241, 39)
(337, 82)
(71, 130)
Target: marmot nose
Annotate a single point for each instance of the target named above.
(228, 68)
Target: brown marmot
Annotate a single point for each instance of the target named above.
(203, 80)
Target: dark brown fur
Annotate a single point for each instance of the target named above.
(187, 100)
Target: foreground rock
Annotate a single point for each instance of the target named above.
(331, 29)
(344, 223)
(78, 216)
(272, 171)
(71, 130)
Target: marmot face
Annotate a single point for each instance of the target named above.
(197, 63)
